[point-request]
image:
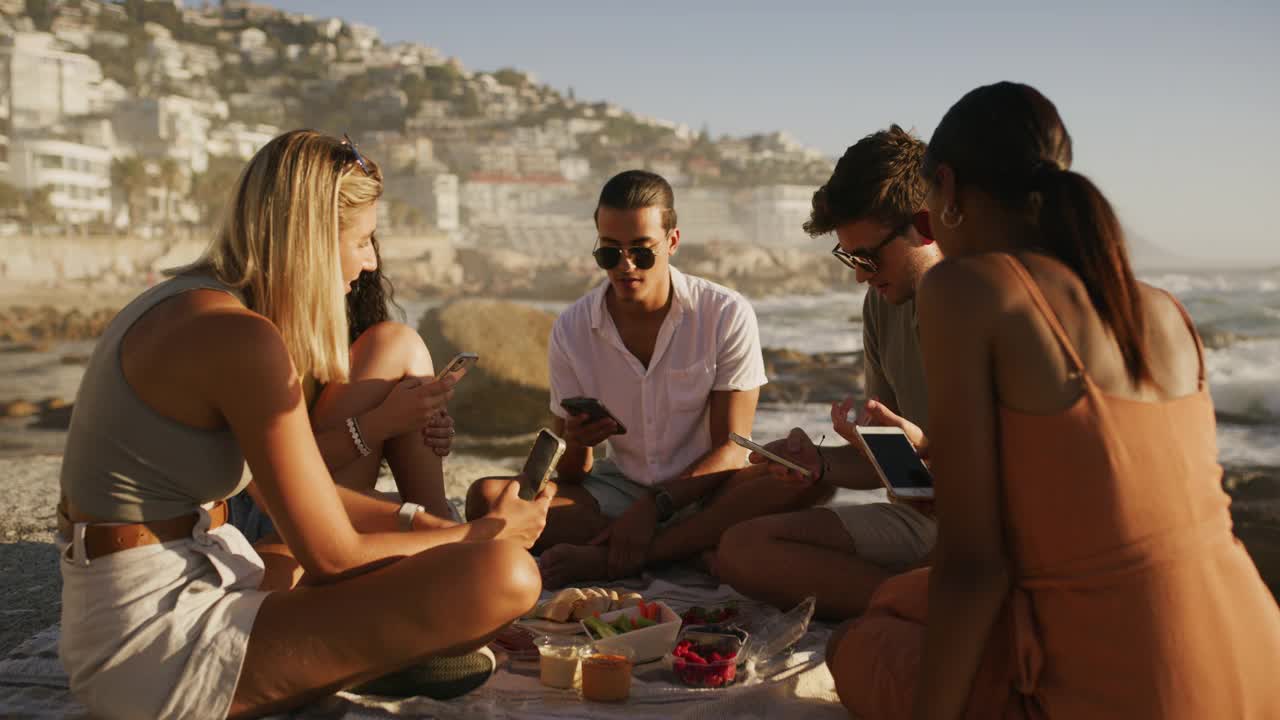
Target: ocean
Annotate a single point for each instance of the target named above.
(1237, 311)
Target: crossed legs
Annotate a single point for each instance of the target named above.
(307, 643)
(568, 558)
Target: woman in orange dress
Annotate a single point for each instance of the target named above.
(1085, 565)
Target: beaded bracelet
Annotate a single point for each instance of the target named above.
(357, 437)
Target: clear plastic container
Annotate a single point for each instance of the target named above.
(560, 659)
(706, 659)
(606, 673)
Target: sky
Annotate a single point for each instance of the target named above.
(1174, 107)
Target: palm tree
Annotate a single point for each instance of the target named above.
(129, 174)
(170, 177)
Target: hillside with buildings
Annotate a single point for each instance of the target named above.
(135, 116)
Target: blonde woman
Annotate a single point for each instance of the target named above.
(166, 610)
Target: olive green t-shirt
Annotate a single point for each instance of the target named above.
(893, 365)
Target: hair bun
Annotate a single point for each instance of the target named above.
(1042, 173)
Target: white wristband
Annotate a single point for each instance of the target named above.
(405, 515)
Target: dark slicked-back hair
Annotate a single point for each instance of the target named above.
(878, 177)
(636, 189)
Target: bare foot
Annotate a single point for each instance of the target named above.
(565, 563)
(707, 562)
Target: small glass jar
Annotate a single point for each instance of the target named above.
(606, 673)
(559, 659)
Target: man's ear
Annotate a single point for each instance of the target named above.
(674, 241)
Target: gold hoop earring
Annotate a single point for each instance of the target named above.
(951, 217)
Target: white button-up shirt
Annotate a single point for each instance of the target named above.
(708, 341)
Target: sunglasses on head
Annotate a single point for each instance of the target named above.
(608, 257)
(346, 140)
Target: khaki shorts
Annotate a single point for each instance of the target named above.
(614, 493)
(893, 536)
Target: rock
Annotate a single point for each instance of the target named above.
(54, 418)
(796, 377)
(40, 327)
(19, 408)
(508, 392)
(1255, 513)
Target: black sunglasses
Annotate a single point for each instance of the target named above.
(868, 260)
(346, 140)
(608, 257)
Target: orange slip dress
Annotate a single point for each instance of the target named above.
(1130, 599)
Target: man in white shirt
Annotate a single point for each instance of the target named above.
(677, 360)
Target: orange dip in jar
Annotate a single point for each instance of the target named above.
(606, 674)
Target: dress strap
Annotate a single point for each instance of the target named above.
(1195, 334)
(1037, 297)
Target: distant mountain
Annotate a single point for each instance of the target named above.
(1147, 256)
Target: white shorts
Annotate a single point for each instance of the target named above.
(893, 536)
(160, 631)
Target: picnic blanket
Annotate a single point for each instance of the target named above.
(33, 685)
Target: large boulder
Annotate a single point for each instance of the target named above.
(508, 391)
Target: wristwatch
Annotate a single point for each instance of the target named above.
(664, 503)
(405, 515)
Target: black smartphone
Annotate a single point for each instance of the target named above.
(896, 462)
(593, 409)
(546, 452)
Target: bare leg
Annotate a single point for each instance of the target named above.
(382, 356)
(574, 516)
(748, 493)
(781, 559)
(307, 643)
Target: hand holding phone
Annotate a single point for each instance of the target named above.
(772, 456)
(544, 455)
(520, 520)
(459, 366)
(797, 447)
(593, 409)
(896, 462)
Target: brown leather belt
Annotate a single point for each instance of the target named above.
(103, 539)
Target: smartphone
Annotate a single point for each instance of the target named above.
(459, 365)
(593, 409)
(546, 452)
(773, 457)
(896, 462)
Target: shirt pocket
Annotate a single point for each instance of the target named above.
(689, 388)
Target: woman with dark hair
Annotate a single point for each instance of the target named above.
(1085, 565)
(377, 404)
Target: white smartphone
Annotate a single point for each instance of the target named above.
(773, 457)
(900, 469)
(459, 365)
(544, 455)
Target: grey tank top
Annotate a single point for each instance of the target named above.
(124, 461)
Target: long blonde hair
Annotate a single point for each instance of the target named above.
(278, 243)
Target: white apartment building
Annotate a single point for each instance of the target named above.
(238, 140)
(170, 126)
(43, 83)
(779, 213)
(489, 198)
(575, 168)
(78, 175)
